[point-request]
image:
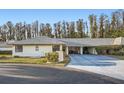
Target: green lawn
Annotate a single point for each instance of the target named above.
(5, 55)
(9, 59)
(5, 59)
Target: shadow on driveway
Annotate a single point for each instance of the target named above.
(36, 74)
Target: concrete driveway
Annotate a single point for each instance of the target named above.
(98, 64)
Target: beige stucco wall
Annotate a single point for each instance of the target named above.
(29, 50)
(117, 41)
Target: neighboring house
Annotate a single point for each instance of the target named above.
(37, 47)
(5, 47)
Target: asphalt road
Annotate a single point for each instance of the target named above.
(37, 74)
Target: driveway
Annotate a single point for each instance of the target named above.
(38, 74)
(98, 64)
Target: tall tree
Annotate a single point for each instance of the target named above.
(86, 27)
(10, 34)
(113, 22)
(48, 30)
(95, 27)
(64, 33)
(28, 27)
(72, 30)
(107, 29)
(80, 28)
(67, 29)
(123, 18)
(59, 30)
(91, 26)
(3, 32)
(102, 25)
(55, 31)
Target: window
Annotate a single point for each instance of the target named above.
(56, 47)
(19, 48)
(37, 48)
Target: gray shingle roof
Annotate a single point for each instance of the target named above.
(5, 45)
(72, 41)
(88, 41)
(39, 40)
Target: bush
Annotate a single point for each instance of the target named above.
(16, 56)
(6, 52)
(52, 57)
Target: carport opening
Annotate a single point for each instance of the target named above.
(74, 50)
(89, 50)
(85, 50)
(78, 50)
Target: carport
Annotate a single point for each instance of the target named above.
(87, 45)
(74, 48)
(79, 49)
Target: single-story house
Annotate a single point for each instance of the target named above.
(37, 47)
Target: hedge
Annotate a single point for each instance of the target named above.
(6, 52)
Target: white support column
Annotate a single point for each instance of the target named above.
(93, 50)
(81, 50)
(67, 50)
(61, 48)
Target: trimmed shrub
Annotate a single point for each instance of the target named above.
(6, 52)
(16, 57)
(52, 57)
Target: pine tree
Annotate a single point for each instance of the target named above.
(80, 28)
(91, 26)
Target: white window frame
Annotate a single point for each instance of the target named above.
(36, 48)
(17, 48)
